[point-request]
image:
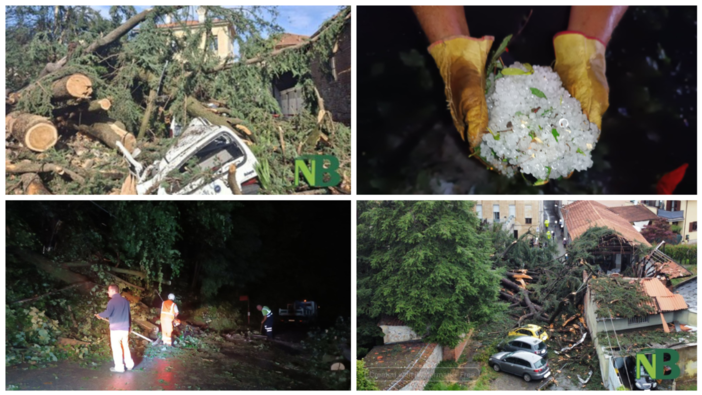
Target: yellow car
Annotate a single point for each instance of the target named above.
(530, 330)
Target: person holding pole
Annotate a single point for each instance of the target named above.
(119, 317)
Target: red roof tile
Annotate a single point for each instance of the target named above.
(667, 301)
(671, 269)
(289, 39)
(585, 214)
(635, 213)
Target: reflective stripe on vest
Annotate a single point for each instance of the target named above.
(172, 308)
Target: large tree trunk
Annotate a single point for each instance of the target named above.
(109, 134)
(34, 132)
(32, 185)
(74, 86)
(196, 109)
(150, 328)
(146, 120)
(53, 269)
(231, 179)
(23, 167)
(111, 37)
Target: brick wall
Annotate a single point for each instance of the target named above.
(452, 354)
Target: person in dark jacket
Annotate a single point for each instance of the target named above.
(118, 314)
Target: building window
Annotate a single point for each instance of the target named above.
(693, 226)
(496, 212)
(512, 211)
(638, 320)
(527, 221)
(672, 205)
(516, 234)
(479, 211)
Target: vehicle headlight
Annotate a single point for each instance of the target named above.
(654, 384)
(638, 385)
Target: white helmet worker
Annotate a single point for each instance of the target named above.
(171, 297)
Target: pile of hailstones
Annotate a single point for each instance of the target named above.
(536, 126)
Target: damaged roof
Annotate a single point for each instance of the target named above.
(393, 366)
(585, 214)
(667, 301)
(635, 213)
(671, 269)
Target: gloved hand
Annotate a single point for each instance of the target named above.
(461, 61)
(580, 62)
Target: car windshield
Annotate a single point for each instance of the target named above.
(542, 345)
(538, 332)
(539, 363)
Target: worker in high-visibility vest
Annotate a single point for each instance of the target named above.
(546, 223)
(267, 321)
(169, 312)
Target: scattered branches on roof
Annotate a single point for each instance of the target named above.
(621, 298)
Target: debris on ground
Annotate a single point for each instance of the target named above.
(96, 91)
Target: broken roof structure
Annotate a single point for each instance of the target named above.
(585, 214)
(636, 213)
(661, 297)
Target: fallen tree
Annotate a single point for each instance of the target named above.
(111, 79)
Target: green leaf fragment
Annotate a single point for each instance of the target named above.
(532, 134)
(528, 67)
(496, 136)
(537, 93)
(505, 160)
(518, 114)
(555, 134)
(540, 128)
(579, 151)
(545, 180)
(514, 71)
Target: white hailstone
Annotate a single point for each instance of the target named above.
(535, 133)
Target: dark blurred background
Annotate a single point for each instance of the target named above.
(407, 143)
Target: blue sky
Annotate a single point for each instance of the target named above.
(293, 19)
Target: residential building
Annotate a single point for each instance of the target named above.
(222, 32)
(637, 214)
(682, 213)
(516, 216)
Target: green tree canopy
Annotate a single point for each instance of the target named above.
(427, 263)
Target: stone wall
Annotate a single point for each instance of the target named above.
(427, 371)
(398, 334)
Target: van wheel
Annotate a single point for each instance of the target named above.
(526, 377)
(496, 367)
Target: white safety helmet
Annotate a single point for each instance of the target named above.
(171, 297)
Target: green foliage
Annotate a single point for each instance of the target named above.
(30, 336)
(158, 220)
(221, 317)
(676, 228)
(685, 254)
(437, 247)
(330, 342)
(485, 352)
(363, 381)
(487, 376)
(521, 255)
(129, 68)
(631, 300)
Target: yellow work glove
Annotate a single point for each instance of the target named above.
(461, 61)
(580, 62)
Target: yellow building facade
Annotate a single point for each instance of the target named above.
(222, 33)
(517, 216)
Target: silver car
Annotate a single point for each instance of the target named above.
(524, 343)
(521, 363)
